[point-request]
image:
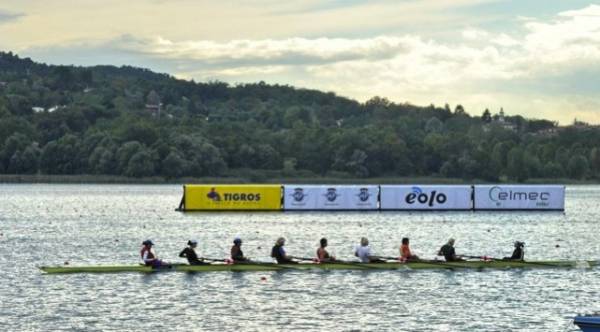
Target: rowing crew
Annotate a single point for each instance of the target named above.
(151, 259)
(363, 252)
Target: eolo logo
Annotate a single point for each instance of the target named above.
(417, 195)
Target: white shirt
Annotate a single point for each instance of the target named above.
(145, 256)
(363, 253)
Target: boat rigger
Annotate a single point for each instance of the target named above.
(265, 267)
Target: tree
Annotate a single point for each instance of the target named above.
(486, 117)
(141, 164)
(468, 166)
(58, 156)
(595, 161)
(561, 157)
(102, 161)
(297, 114)
(499, 156)
(30, 159)
(15, 144)
(125, 153)
(15, 125)
(553, 170)
(578, 167)
(174, 165)
(434, 125)
(289, 166)
(356, 165)
(516, 168)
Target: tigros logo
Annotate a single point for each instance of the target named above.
(418, 196)
(235, 197)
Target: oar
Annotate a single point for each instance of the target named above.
(510, 260)
(387, 258)
(214, 259)
(479, 257)
(357, 264)
(438, 263)
(303, 258)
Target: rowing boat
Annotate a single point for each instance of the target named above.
(588, 323)
(239, 267)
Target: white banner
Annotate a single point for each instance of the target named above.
(426, 197)
(519, 197)
(335, 197)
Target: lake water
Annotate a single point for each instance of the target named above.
(105, 224)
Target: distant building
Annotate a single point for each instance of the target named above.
(549, 132)
(153, 104)
(579, 124)
(37, 109)
(500, 120)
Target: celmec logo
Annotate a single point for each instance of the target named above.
(417, 195)
(498, 195)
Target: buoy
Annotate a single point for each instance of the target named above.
(66, 263)
(557, 246)
(259, 247)
(263, 278)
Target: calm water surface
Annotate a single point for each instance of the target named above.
(104, 224)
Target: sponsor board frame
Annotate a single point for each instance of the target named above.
(231, 197)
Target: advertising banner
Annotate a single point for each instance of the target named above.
(519, 197)
(232, 197)
(323, 197)
(426, 197)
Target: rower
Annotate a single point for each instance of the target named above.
(149, 257)
(405, 253)
(447, 250)
(279, 253)
(322, 254)
(189, 252)
(237, 255)
(363, 252)
(519, 252)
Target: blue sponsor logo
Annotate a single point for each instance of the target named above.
(417, 196)
(298, 194)
(331, 194)
(364, 194)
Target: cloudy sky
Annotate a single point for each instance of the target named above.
(537, 58)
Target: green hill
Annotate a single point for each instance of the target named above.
(133, 122)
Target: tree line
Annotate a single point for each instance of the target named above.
(133, 122)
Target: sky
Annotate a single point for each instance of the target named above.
(536, 58)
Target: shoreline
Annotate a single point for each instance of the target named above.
(112, 179)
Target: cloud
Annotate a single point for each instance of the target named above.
(291, 51)
(6, 16)
(549, 60)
